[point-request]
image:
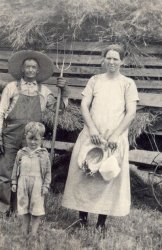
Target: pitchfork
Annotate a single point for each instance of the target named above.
(62, 68)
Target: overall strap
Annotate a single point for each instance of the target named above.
(39, 87)
(18, 85)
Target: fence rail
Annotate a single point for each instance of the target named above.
(144, 66)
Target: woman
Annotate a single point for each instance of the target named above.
(108, 107)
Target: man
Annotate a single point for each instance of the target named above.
(22, 100)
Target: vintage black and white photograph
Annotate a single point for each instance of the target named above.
(80, 125)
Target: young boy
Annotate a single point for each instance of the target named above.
(31, 177)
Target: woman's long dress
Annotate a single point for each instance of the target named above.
(93, 194)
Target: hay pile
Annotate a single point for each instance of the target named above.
(140, 124)
(40, 23)
(71, 120)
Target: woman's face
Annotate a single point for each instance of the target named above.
(112, 61)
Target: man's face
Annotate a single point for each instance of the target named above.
(30, 69)
(113, 61)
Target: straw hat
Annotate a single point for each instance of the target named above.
(92, 155)
(45, 64)
(98, 160)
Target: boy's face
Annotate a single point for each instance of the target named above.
(33, 141)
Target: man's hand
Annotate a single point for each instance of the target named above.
(44, 190)
(1, 145)
(14, 187)
(61, 82)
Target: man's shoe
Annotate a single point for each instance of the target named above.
(8, 213)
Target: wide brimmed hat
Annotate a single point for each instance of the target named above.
(97, 159)
(92, 155)
(45, 64)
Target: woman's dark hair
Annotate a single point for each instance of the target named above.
(116, 47)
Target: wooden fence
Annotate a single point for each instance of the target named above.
(144, 66)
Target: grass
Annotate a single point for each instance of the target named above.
(141, 229)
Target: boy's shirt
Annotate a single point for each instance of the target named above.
(45, 165)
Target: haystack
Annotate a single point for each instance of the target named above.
(37, 24)
(141, 124)
(71, 120)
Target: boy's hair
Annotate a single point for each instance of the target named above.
(35, 128)
(116, 47)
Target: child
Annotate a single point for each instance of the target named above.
(31, 177)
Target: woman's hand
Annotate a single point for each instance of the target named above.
(112, 142)
(95, 136)
(14, 187)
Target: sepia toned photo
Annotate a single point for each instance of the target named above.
(80, 125)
